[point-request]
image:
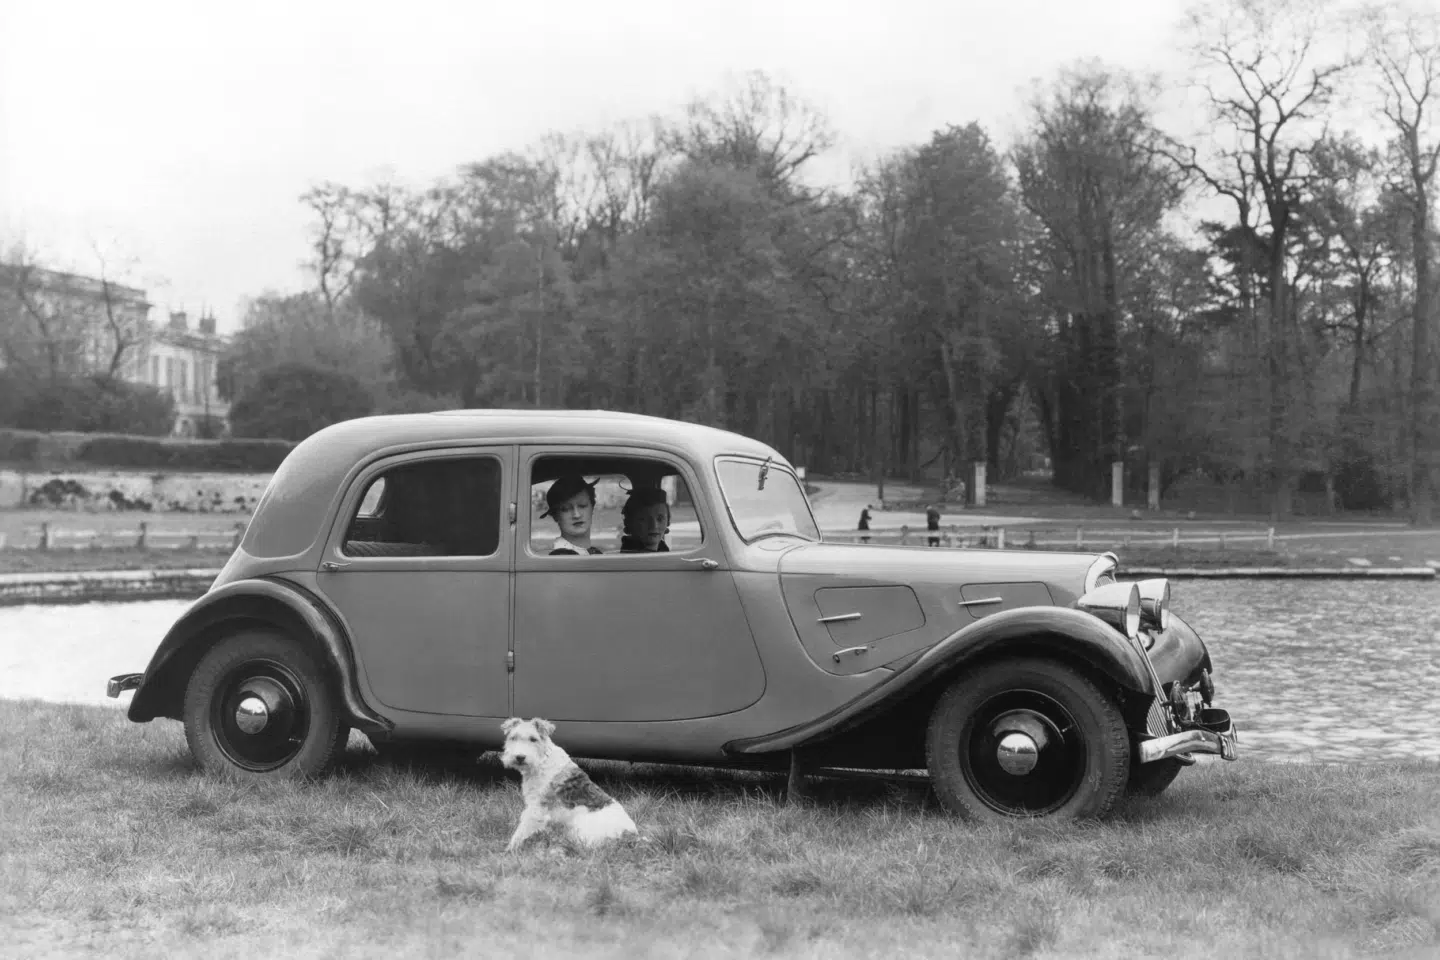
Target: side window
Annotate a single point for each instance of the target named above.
(661, 516)
(447, 507)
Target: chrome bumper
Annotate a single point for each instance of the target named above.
(1218, 735)
(126, 681)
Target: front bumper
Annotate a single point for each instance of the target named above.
(125, 681)
(1213, 733)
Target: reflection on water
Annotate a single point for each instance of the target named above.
(1323, 670)
(1311, 670)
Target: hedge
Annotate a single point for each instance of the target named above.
(26, 448)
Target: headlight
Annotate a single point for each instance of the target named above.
(1155, 602)
(1118, 604)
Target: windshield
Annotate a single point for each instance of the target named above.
(765, 499)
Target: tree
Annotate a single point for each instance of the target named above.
(1090, 176)
(294, 400)
(303, 328)
(1405, 51)
(1265, 85)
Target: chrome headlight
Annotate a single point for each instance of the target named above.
(1118, 604)
(1155, 602)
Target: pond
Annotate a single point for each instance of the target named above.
(1311, 670)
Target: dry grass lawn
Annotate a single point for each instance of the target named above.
(111, 844)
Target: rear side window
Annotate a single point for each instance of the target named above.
(446, 507)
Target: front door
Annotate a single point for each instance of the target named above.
(421, 575)
(618, 636)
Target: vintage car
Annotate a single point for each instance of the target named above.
(397, 578)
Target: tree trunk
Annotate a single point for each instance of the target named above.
(1421, 514)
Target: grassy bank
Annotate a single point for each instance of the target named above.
(111, 844)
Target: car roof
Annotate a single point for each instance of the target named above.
(540, 424)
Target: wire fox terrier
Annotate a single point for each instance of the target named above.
(556, 791)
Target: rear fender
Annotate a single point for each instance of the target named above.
(256, 602)
(1068, 633)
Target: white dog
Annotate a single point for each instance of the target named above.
(555, 790)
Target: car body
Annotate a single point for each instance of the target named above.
(396, 578)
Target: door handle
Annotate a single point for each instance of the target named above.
(333, 566)
(705, 563)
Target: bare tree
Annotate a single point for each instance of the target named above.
(1267, 87)
(1405, 52)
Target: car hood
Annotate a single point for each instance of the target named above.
(1063, 573)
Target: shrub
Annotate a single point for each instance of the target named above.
(95, 404)
(294, 400)
(246, 456)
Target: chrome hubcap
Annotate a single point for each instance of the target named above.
(252, 715)
(1017, 754)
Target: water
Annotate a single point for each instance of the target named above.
(1311, 670)
(1323, 670)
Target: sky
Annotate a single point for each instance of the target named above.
(170, 142)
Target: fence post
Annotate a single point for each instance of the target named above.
(44, 535)
(1077, 537)
(1127, 540)
(1175, 538)
(1222, 539)
(1270, 539)
(194, 541)
(140, 538)
(904, 534)
(1000, 539)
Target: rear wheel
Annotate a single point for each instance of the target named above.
(259, 707)
(1027, 738)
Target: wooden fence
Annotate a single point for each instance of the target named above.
(49, 536)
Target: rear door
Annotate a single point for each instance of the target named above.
(420, 573)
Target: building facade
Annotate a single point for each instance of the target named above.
(74, 325)
(183, 362)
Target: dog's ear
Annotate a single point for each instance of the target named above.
(544, 726)
(510, 724)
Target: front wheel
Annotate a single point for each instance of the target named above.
(1027, 738)
(259, 707)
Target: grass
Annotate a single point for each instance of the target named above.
(112, 844)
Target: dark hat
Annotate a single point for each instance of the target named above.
(565, 488)
(642, 497)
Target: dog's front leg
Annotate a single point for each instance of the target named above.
(529, 823)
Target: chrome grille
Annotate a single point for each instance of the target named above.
(1157, 722)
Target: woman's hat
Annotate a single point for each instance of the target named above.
(642, 497)
(563, 489)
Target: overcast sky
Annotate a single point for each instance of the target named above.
(178, 136)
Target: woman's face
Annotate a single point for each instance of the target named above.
(573, 516)
(649, 524)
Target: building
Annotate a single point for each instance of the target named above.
(184, 362)
(77, 325)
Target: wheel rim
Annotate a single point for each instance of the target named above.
(260, 715)
(1023, 753)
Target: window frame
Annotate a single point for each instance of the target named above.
(359, 485)
(709, 545)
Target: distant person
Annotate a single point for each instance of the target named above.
(570, 501)
(646, 521)
(864, 527)
(932, 524)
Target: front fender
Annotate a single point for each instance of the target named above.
(265, 600)
(1067, 631)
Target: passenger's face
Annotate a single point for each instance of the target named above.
(648, 525)
(574, 515)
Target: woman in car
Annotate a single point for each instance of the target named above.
(570, 501)
(646, 521)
